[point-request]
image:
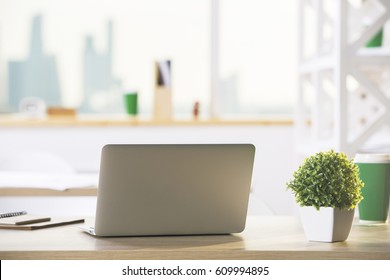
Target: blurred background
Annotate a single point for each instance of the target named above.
(85, 54)
(291, 77)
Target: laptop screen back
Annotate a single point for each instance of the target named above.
(173, 189)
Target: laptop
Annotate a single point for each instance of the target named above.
(173, 189)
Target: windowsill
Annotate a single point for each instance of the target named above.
(123, 120)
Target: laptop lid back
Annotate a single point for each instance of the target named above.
(173, 189)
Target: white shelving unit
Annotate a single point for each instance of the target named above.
(343, 100)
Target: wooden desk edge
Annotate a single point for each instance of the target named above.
(47, 192)
(193, 255)
(253, 246)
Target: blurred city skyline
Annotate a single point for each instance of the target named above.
(146, 31)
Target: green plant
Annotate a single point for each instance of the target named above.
(327, 179)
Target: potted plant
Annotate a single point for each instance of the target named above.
(327, 188)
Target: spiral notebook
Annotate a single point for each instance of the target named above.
(12, 214)
(55, 222)
(23, 221)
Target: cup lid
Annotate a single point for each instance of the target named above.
(372, 158)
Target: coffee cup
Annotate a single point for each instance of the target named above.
(375, 173)
(131, 102)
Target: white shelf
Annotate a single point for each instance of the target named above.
(377, 56)
(316, 64)
(331, 104)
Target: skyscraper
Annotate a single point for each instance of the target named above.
(98, 76)
(36, 75)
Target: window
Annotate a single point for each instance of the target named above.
(86, 54)
(258, 56)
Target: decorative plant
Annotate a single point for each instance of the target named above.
(327, 179)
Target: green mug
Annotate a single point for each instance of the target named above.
(375, 173)
(131, 103)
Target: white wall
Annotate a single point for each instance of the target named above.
(81, 146)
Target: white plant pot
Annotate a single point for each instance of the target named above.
(327, 224)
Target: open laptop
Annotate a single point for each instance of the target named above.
(173, 189)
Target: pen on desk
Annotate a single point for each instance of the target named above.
(12, 214)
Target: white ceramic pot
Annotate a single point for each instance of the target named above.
(327, 224)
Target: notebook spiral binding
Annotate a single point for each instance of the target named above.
(12, 214)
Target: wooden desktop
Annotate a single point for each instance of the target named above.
(265, 237)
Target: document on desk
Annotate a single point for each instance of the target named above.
(54, 222)
(55, 181)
